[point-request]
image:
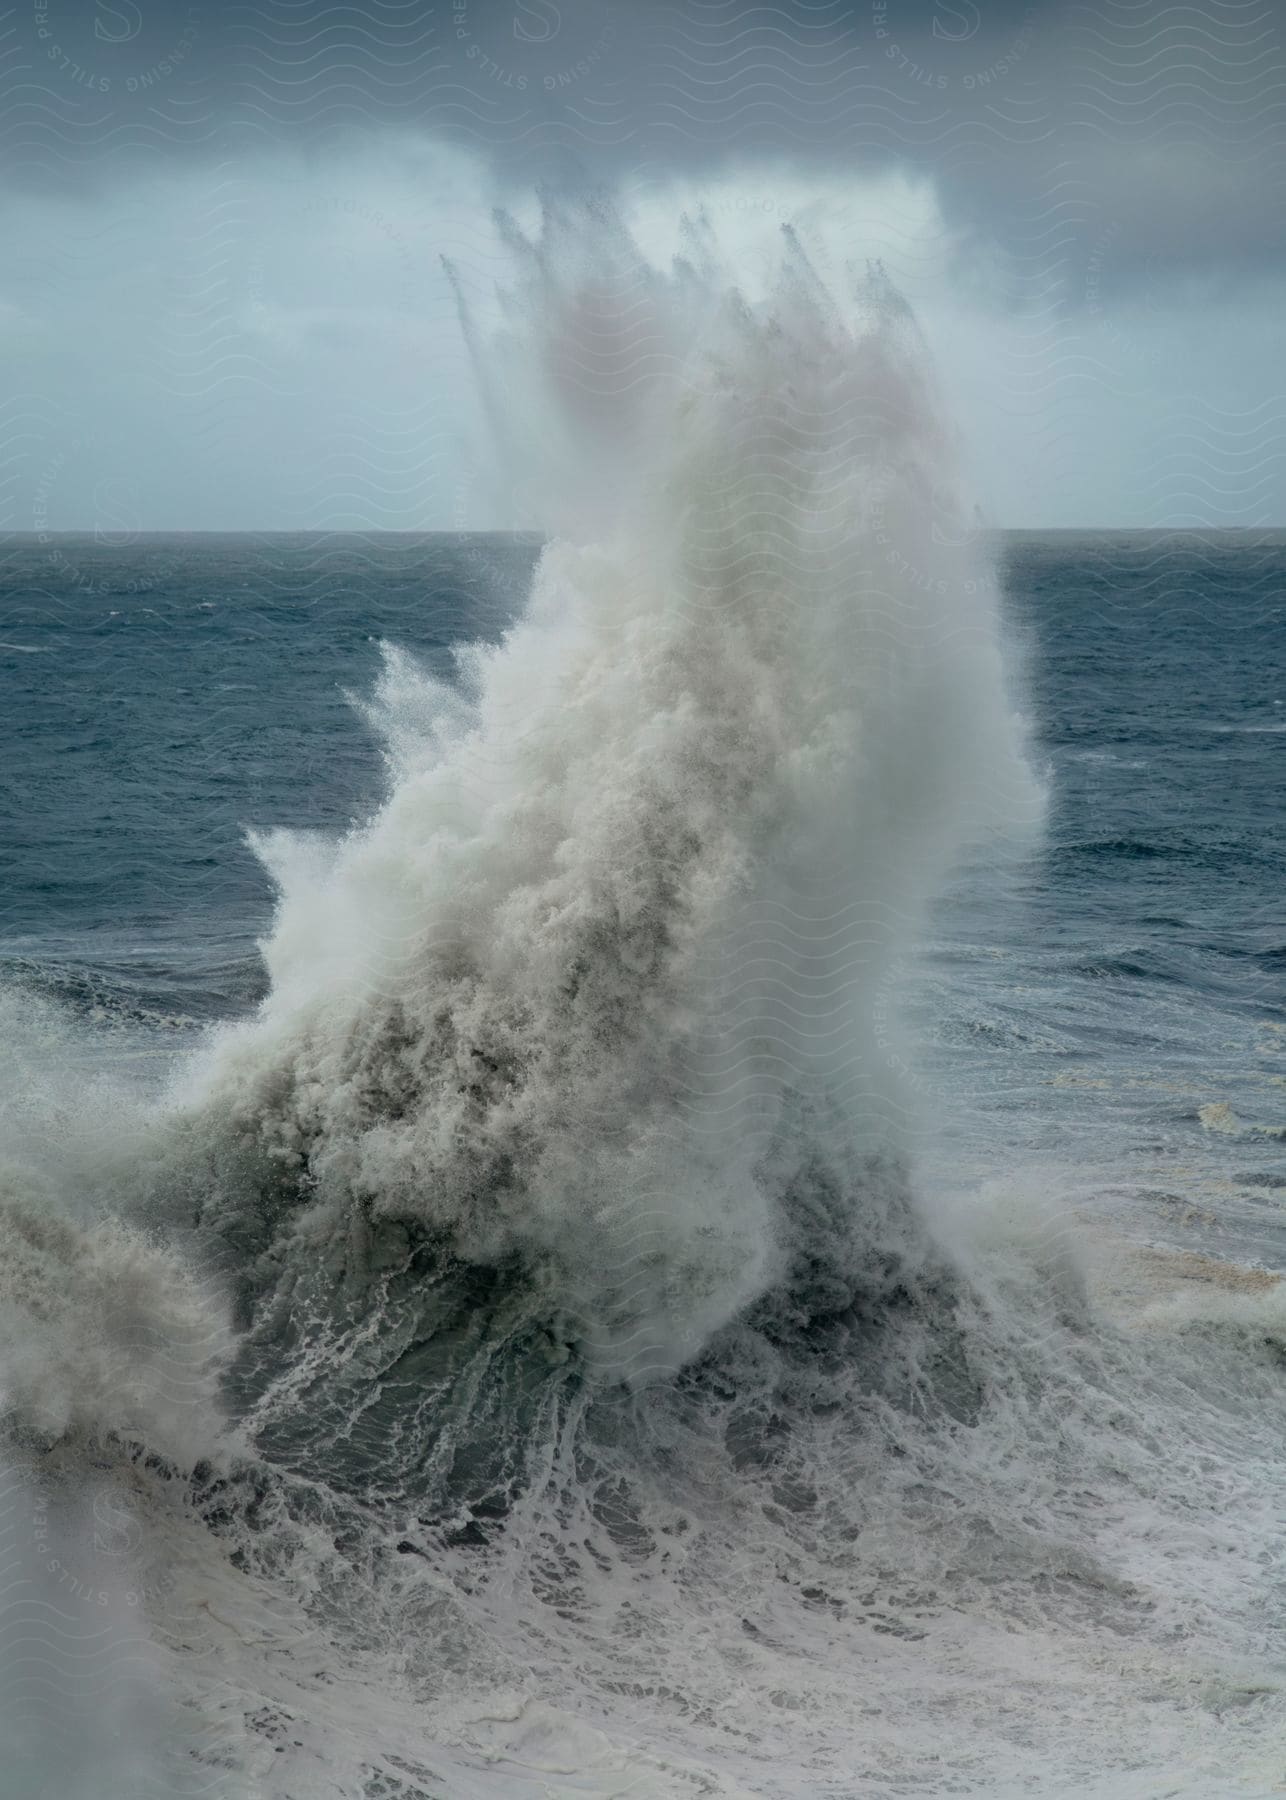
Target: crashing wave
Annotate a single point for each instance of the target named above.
(589, 1003)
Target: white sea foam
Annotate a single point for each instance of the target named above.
(598, 1005)
(104, 1331)
(640, 873)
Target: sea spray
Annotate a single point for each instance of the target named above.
(593, 990)
(576, 1065)
(105, 1331)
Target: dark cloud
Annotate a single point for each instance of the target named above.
(1044, 124)
(223, 301)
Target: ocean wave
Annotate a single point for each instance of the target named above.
(177, 997)
(526, 1329)
(1219, 1116)
(515, 1018)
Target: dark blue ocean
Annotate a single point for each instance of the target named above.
(164, 695)
(321, 1482)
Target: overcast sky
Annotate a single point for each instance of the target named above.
(222, 299)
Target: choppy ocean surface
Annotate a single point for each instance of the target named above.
(1059, 1573)
(165, 696)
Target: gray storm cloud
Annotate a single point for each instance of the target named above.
(223, 304)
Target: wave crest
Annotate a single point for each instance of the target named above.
(637, 881)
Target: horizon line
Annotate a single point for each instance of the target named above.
(118, 540)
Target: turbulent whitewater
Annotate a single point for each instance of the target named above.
(522, 1347)
(588, 995)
